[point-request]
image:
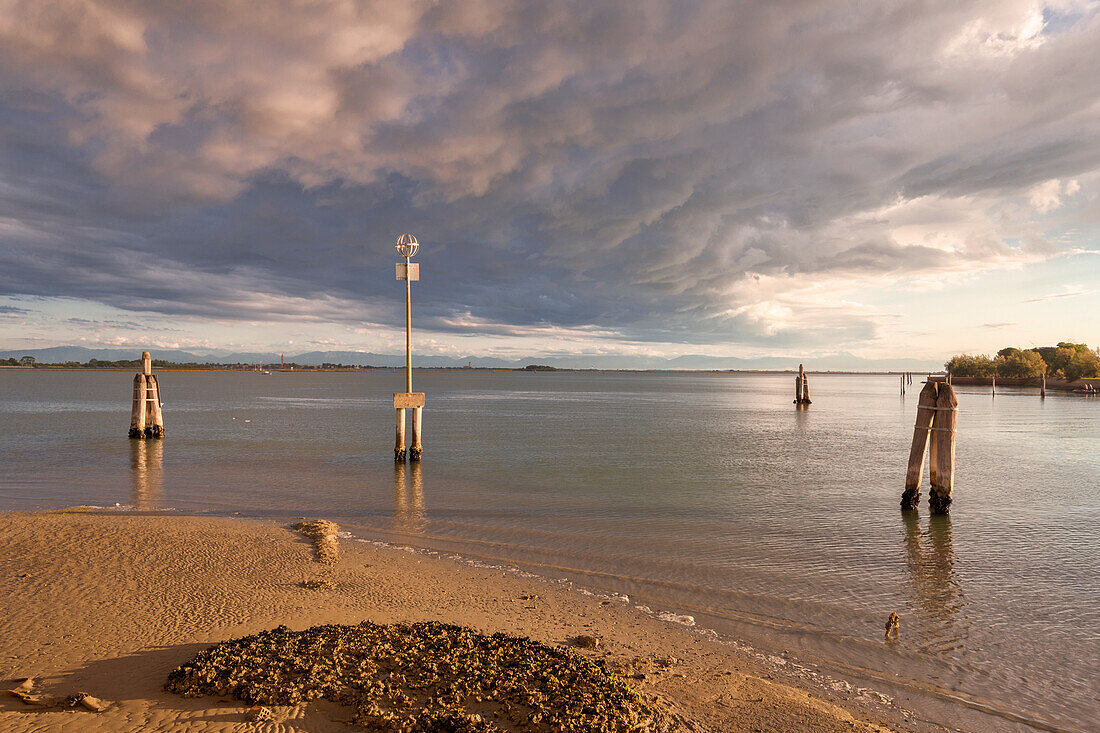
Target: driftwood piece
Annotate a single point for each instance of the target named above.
(925, 413)
(941, 460)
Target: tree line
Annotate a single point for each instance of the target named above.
(1067, 360)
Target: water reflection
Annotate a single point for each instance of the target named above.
(938, 599)
(408, 498)
(146, 472)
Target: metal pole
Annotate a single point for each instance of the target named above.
(408, 330)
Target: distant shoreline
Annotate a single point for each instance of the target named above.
(315, 369)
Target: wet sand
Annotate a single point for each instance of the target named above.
(109, 604)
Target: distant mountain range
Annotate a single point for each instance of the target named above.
(833, 362)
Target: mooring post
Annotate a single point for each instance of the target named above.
(941, 460)
(801, 388)
(137, 410)
(146, 419)
(902, 385)
(993, 387)
(1043, 387)
(926, 410)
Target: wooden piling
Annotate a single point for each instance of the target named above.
(155, 428)
(137, 410)
(993, 386)
(902, 385)
(941, 459)
(146, 418)
(926, 404)
(1043, 387)
(399, 446)
(801, 388)
(416, 449)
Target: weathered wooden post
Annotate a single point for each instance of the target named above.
(146, 418)
(1043, 387)
(993, 386)
(407, 246)
(137, 410)
(926, 409)
(902, 385)
(941, 459)
(801, 388)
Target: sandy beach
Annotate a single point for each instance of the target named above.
(109, 604)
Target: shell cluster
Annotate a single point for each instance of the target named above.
(422, 677)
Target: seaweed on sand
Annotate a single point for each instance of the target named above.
(422, 677)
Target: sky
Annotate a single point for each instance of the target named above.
(606, 177)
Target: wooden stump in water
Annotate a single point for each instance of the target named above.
(925, 412)
(941, 459)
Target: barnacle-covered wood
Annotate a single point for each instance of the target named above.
(323, 534)
(422, 677)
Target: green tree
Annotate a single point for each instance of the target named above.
(1082, 364)
(28, 360)
(968, 365)
(1022, 364)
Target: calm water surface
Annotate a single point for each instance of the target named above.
(705, 494)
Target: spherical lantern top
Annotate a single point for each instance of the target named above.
(407, 245)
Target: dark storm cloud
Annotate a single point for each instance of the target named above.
(667, 171)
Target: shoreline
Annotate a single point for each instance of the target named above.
(110, 602)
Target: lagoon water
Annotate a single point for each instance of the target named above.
(702, 494)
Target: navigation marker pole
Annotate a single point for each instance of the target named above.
(407, 246)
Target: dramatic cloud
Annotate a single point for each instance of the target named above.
(617, 170)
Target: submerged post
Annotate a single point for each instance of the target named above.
(941, 459)
(407, 246)
(926, 409)
(146, 418)
(801, 388)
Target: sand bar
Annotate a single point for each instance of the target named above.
(110, 603)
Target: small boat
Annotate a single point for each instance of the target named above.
(1082, 390)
